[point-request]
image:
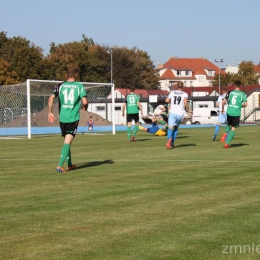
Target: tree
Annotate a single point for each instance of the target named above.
(130, 66)
(246, 74)
(225, 79)
(24, 57)
(7, 77)
(133, 67)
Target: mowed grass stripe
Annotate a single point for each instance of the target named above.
(130, 201)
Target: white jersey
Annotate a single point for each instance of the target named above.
(177, 102)
(220, 100)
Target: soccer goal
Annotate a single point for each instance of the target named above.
(24, 109)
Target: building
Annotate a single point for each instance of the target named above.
(257, 71)
(193, 72)
(234, 69)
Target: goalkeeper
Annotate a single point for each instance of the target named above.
(155, 129)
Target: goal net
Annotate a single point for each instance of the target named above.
(24, 109)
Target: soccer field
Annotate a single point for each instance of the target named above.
(132, 200)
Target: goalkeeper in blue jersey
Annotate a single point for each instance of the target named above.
(155, 129)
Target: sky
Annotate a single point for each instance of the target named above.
(223, 29)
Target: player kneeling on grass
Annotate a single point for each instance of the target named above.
(71, 94)
(155, 129)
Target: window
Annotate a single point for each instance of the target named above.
(203, 106)
(117, 108)
(179, 72)
(187, 72)
(213, 113)
(185, 83)
(191, 83)
(201, 79)
(100, 108)
(210, 73)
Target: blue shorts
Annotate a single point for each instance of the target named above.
(222, 118)
(174, 120)
(153, 129)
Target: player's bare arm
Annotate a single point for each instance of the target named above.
(187, 106)
(140, 107)
(167, 100)
(223, 105)
(123, 109)
(51, 117)
(84, 103)
(245, 104)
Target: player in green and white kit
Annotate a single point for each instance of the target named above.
(235, 100)
(71, 94)
(132, 106)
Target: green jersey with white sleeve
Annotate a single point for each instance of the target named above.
(70, 95)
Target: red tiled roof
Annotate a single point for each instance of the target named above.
(247, 89)
(257, 68)
(168, 74)
(199, 71)
(143, 92)
(196, 65)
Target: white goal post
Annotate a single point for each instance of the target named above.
(24, 109)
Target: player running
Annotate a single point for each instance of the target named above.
(235, 100)
(178, 100)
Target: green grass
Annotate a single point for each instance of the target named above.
(131, 200)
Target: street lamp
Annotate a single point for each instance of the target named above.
(221, 60)
(111, 55)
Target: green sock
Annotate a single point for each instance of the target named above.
(227, 129)
(64, 154)
(135, 130)
(69, 159)
(129, 132)
(231, 135)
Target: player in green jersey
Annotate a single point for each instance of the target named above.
(132, 105)
(71, 94)
(235, 100)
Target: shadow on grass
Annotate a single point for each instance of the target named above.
(185, 136)
(92, 164)
(142, 140)
(237, 145)
(184, 145)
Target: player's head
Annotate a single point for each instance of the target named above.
(180, 84)
(237, 83)
(132, 89)
(224, 90)
(71, 72)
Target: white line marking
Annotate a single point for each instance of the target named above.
(124, 160)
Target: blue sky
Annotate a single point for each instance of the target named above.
(223, 29)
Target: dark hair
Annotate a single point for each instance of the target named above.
(132, 88)
(237, 83)
(71, 72)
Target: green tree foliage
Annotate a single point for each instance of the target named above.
(130, 66)
(246, 74)
(133, 67)
(225, 79)
(7, 77)
(25, 58)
